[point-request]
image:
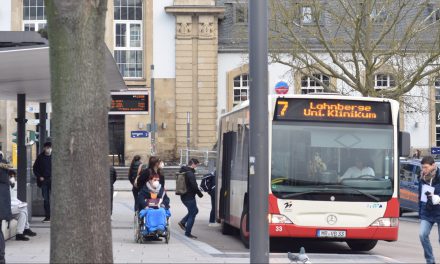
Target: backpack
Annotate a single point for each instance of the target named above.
(181, 183)
(208, 182)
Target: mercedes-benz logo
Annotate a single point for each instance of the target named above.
(332, 219)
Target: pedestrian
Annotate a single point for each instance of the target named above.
(429, 204)
(189, 198)
(132, 174)
(155, 166)
(43, 171)
(19, 211)
(113, 177)
(208, 185)
(5, 204)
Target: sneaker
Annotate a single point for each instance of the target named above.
(182, 226)
(28, 232)
(213, 224)
(21, 237)
(46, 220)
(191, 236)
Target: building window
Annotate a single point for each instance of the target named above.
(313, 84)
(34, 15)
(384, 81)
(241, 13)
(128, 50)
(241, 89)
(437, 89)
(307, 15)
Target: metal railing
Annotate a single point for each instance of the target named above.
(206, 158)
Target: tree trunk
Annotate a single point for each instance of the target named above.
(80, 219)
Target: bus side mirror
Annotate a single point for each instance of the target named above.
(404, 144)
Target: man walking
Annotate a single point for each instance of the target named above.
(5, 204)
(429, 204)
(43, 171)
(189, 198)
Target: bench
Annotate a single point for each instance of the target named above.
(11, 231)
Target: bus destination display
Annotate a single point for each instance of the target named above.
(129, 103)
(294, 109)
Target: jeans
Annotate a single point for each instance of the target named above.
(46, 190)
(212, 214)
(135, 196)
(2, 245)
(189, 219)
(425, 229)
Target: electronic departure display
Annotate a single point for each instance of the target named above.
(129, 103)
(327, 110)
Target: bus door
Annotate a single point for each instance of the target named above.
(225, 190)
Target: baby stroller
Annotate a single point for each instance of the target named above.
(152, 223)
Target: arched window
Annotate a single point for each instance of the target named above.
(310, 84)
(384, 81)
(241, 89)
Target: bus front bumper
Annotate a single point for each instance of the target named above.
(344, 233)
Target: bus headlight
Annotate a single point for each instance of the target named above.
(279, 219)
(386, 222)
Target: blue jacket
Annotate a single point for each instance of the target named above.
(431, 212)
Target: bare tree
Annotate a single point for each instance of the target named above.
(80, 227)
(355, 41)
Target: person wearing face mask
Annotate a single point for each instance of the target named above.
(155, 166)
(19, 212)
(189, 198)
(153, 190)
(43, 172)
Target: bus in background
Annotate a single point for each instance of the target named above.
(333, 169)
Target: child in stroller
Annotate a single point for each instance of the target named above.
(152, 221)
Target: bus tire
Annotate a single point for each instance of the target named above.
(362, 245)
(244, 234)
(227, 229)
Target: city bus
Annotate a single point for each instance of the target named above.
(333, 169)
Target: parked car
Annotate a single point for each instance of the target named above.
(409, 171)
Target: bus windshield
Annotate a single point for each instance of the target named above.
(336, 161)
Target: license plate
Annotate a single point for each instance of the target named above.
(332, 233)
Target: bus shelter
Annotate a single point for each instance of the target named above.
(25, 76)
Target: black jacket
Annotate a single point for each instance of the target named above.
(145, 194)
(191, 184)
(113, 176)
(132, 173)
(43, 168)
(430, 212)
(5, 195)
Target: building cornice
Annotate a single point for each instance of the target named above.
(193, 10)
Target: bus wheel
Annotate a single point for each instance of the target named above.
(227, 229)
(362, 245)
(244, 233)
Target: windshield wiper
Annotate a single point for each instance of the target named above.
(335, 188)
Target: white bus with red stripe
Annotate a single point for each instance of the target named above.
(333, 169)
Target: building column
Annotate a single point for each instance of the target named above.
(196, 71)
